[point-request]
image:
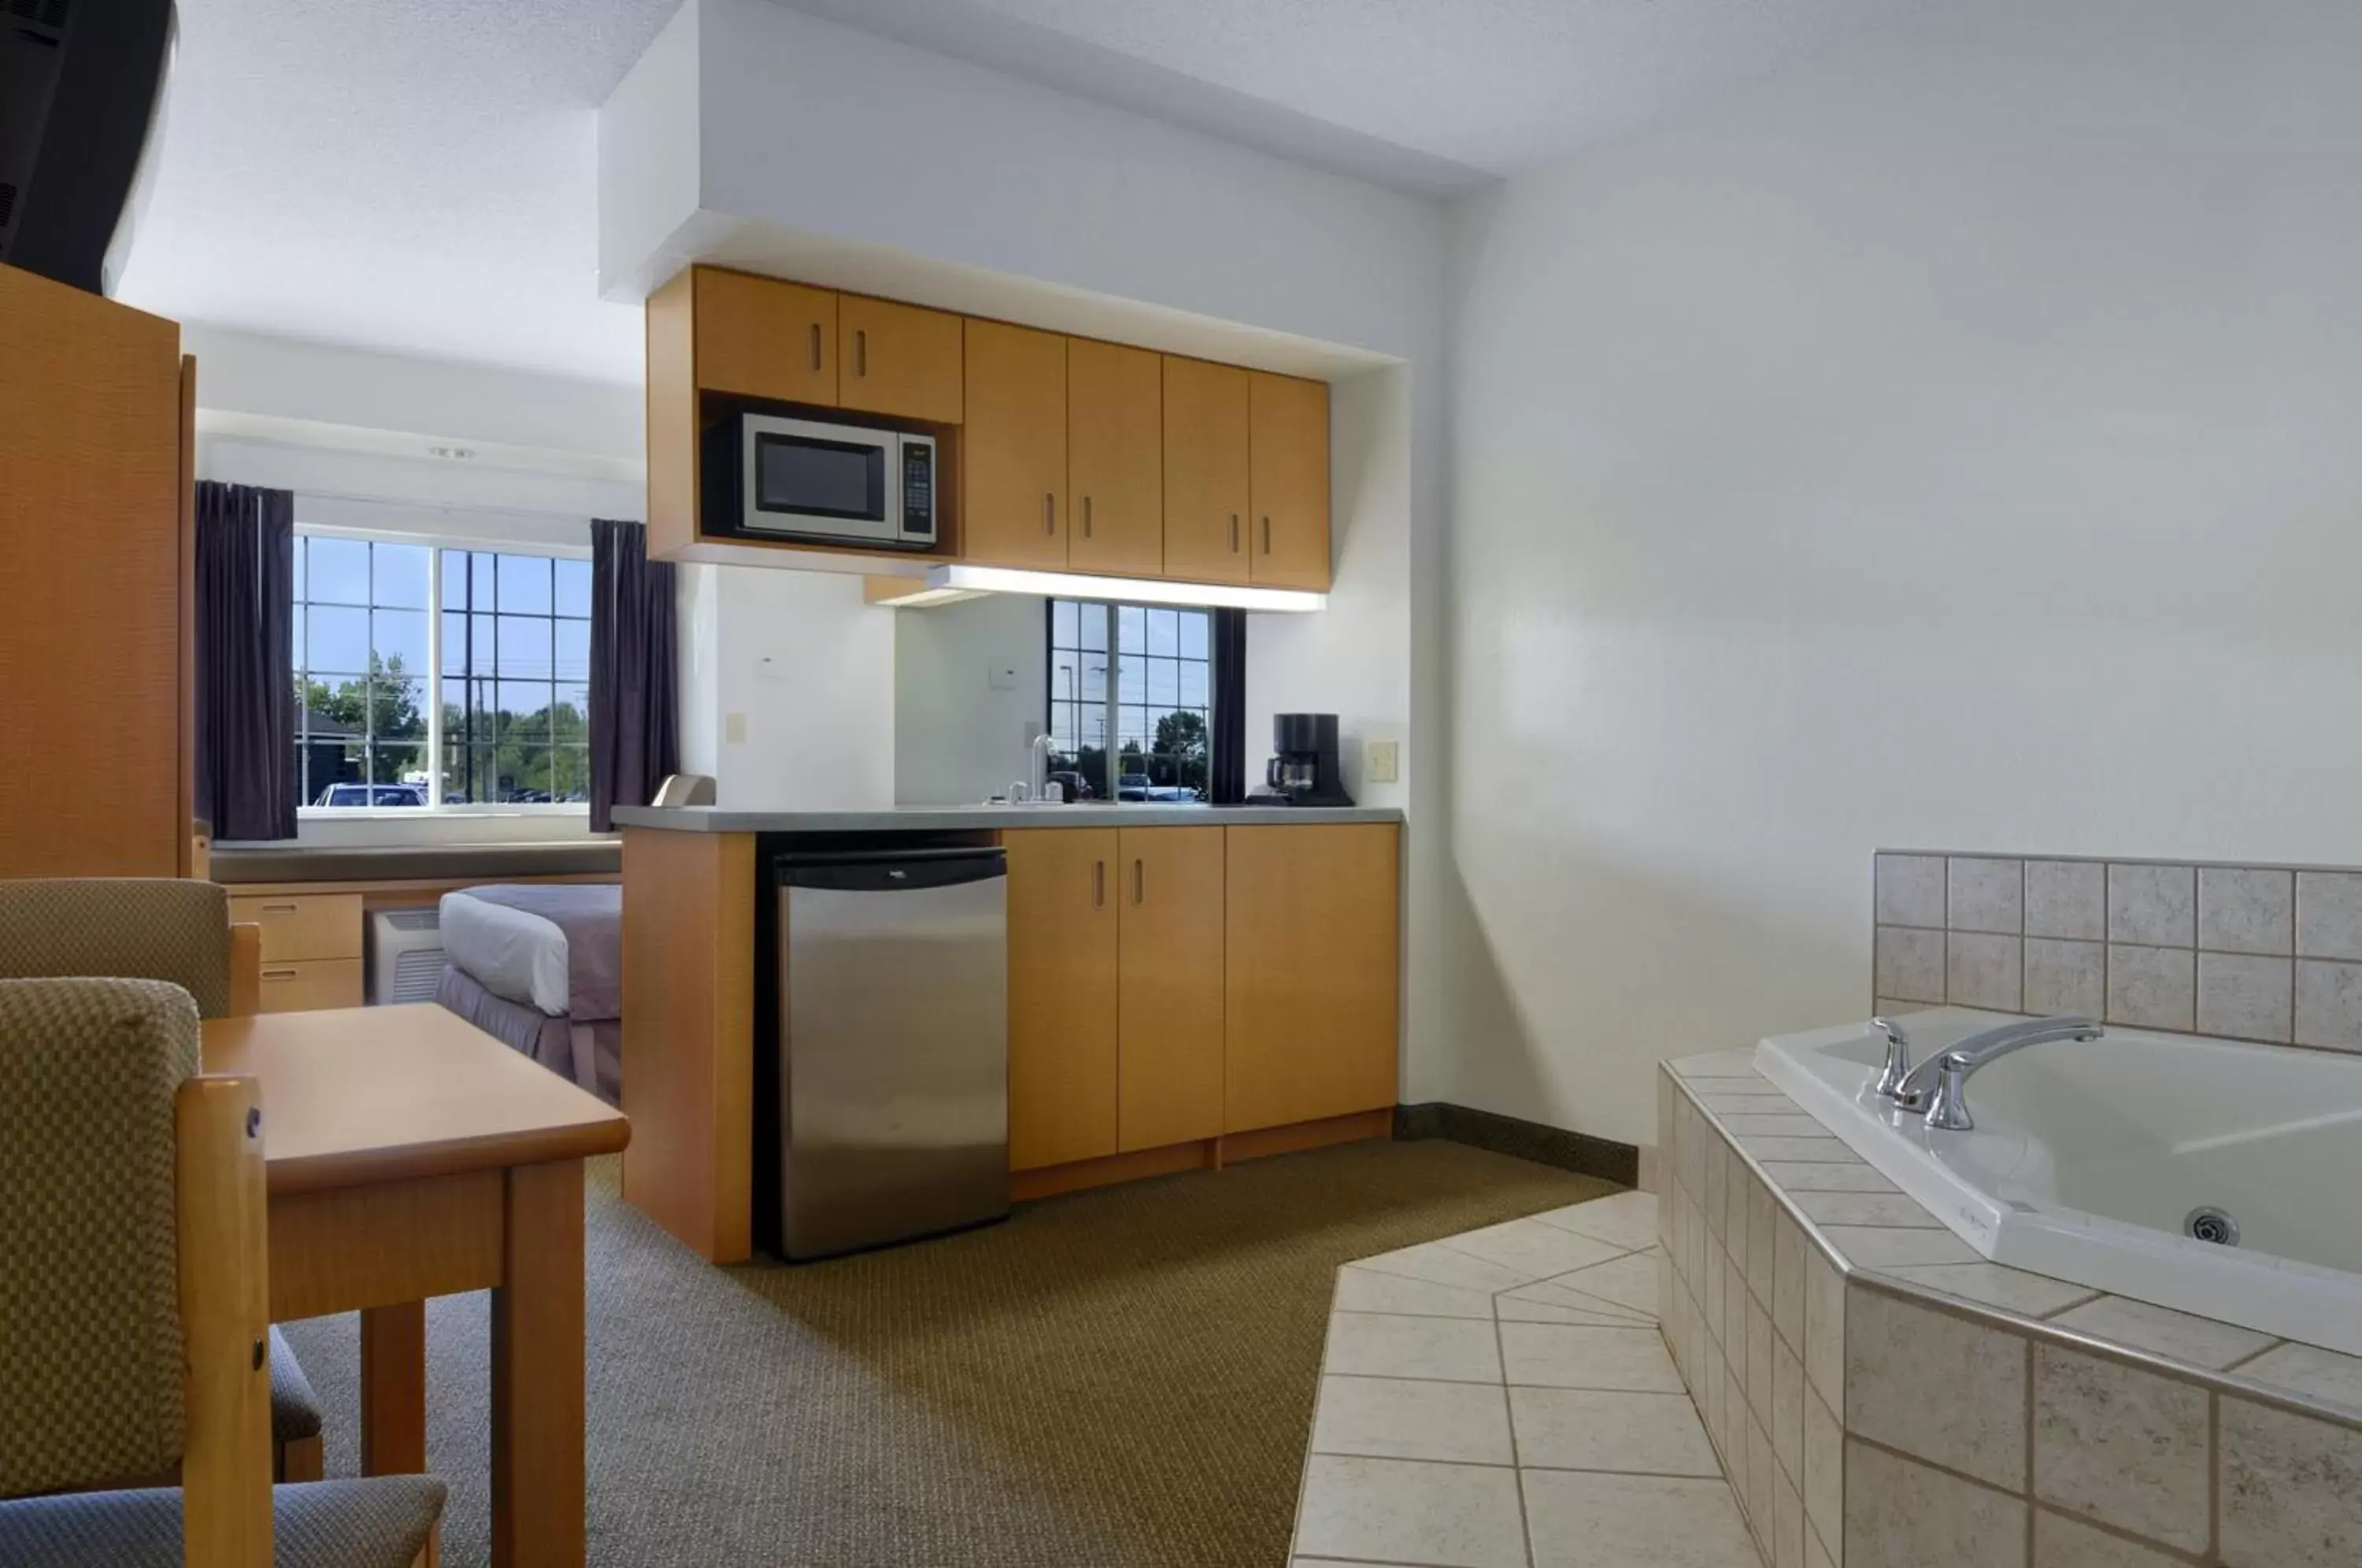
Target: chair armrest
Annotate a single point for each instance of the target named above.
(224, 1249)
(245, 970)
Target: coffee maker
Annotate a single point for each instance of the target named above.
(1305, 771)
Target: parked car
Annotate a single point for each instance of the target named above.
(1131, 787)
(373, 795)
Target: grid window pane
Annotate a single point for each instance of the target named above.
(336, 637)
(525, 649)
(1194, 628)
(573, 587)
(1132, 630)
(524, 586)
(1131, 681)
(1161, 691)
(1163, 633)
(1192, 684)
(397, 709)
(524, 709)
(569, 720)
(1092, 620)
(1164, 682)
(573, 651)
(398, 640)
(1062, 613)
(337, 571)
(398, 575)
(455, 642)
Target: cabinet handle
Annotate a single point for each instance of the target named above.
(1050, 513)
(1099, 884)
(1267, 535)
(1234, 533)
(815, 346)
(1087, 517)
(861, 353)
(278, 909)
(279, 974)
(1139, 881)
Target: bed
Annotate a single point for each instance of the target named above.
(541, 967)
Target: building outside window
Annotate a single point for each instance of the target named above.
(430, 677)
(1131, 701)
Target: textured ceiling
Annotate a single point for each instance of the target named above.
(1424, 94)
(420, 176)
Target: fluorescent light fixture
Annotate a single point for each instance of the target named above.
(913, 593)
(944, 583)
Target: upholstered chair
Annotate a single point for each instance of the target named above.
(133, 1307)
(159, 929)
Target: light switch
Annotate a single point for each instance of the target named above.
(1382, 761)
(733, 729)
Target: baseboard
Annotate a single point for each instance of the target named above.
(1579, 1151)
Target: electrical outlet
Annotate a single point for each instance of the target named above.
(1382, 761)
(733, 729)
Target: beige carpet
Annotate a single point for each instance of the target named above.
(1114, 1378)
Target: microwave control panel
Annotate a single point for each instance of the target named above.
(918, 488)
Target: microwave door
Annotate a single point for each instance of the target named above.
(812, 482)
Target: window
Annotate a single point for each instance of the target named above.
(1140, 674)
(429, 676)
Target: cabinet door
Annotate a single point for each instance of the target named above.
(1205, 472)
(1062, 995)
(1170, 1066)
(761, 337)
(1115, 458)
(1014, 445)
(1288, 482)
(1310, 961)
(899, 359)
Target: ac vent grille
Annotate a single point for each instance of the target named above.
(417, 974)
(427, 919)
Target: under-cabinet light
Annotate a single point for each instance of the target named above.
(944, 583)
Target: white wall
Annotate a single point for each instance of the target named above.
(1951, 444)
(786, 688)
(958, 737)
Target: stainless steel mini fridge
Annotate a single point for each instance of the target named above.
(893, 1044)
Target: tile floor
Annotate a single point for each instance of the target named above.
(1503, 1399)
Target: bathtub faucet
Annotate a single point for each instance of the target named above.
(1938, 1086)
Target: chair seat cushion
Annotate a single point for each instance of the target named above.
(381, 1522)
(295, 1408)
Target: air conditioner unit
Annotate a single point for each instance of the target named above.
(406, 955)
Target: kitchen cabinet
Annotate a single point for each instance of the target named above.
(763, 338)
(1287, 480)
(1013, 466)
(1169, 991)
(1063, 989)
(899, 359)
(1206, 422)
(1311, 965)
(1115, 458)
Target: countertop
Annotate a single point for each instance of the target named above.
(717, 819)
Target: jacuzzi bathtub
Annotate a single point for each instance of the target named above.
(2088, 1158)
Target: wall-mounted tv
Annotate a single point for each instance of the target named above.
(82, 88)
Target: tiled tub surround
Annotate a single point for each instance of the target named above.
(1881, 1395)
(1504, 1398)
(2269, 953)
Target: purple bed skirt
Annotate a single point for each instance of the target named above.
(591, 1052)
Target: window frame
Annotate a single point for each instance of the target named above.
(1112, 703)
(436, 545)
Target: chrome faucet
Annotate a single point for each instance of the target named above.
(1938, 1087)
(1037, 763)
(1898, 1058)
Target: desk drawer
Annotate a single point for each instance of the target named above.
(298, 927)
(314, 983)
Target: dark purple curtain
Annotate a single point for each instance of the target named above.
(634, 681)
(246, 664)
(1229, 634)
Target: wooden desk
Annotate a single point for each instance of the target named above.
(410, 1155)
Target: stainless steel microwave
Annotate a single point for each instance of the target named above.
(822, 481)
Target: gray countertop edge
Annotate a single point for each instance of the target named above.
(921, 819)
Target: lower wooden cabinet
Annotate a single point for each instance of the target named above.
(1311, 973)
(1170, 985)
(311, 948)
(1062, 995)
(312, 984)
(1169, 1008)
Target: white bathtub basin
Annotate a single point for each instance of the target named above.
(2088, 1156)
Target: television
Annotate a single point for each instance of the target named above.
(82, 89)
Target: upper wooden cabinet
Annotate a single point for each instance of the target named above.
(1310, 965)
(1169, 1008)
(1115, 458)
(1288, 480)
(899, 359)
(761, 337)
(1206, 425)
(1013, 478)
(1062, 995)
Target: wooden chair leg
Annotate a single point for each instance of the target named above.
(433, 1556)
(304, 1459)
(225, 1318)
